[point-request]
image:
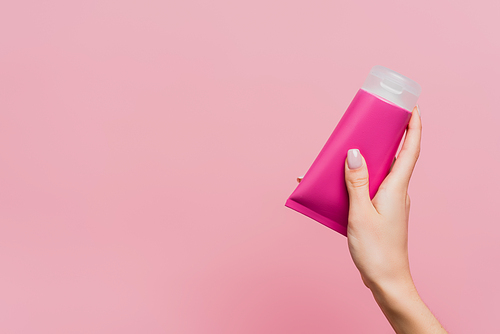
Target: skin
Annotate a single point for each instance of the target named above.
(377, 236)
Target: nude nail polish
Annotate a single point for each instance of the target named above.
(354, 159)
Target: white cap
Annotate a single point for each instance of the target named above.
(392, 86)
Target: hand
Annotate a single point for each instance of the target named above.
(377, 229)
(377, 234)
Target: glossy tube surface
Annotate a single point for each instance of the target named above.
(371, 124)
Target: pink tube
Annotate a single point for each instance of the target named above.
(371, 124)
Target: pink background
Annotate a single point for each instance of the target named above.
(147, 149)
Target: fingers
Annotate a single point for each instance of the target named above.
(407, 158)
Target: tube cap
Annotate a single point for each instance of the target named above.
(392, 86)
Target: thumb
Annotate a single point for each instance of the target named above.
(356, 179)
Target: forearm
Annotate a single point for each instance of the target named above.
(405, 310)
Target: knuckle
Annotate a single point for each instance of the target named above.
(359, 182)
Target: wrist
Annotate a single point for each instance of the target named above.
(401, 304)
(393, 293)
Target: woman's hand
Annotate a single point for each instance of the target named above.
(377, 231)
(377, 234)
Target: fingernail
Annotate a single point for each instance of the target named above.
(418, 109)
(354, 159)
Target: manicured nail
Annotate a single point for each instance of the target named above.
(418, 109)
(354, 159)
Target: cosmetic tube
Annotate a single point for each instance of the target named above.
(374, 123)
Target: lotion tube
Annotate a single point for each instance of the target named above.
(374, 123)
